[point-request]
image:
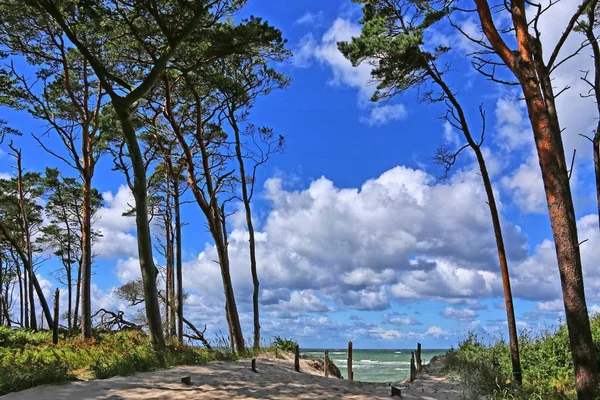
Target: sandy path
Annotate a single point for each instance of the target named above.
(275, 379)
(432, 384)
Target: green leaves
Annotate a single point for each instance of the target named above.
(392, 40)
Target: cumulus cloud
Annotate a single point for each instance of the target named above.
(459, 314)
(401, 235)
(436, 331)
(118, 231)
(382, 115)
(526, 186)
(324, 51)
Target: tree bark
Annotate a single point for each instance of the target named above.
(534, 78)
(46, 310)
(144, 237)
(26, 242)
(210, 209)
(86, 243)
(251, 241)
(487, 183)
(77, 298)
(178, 258)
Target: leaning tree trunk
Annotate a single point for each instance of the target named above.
(251, 241)
(487, 183)
(508, 299)
(144, 237)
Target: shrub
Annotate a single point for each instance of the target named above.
(283, 344)
(485, 365)
(28, 358)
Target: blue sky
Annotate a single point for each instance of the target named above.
(358, 238)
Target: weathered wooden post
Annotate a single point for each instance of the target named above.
(254, 365)
(412, 366)
(326, 363)
(419, 359)
(55, 322)
(350, 372)
(297, 359)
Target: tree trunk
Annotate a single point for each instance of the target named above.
(231, 307)
(14, 243)
(69, 300)
(487, 183)
(551, 155)
(178, 258)
(86, 247)
(22, 296)
(251, 241)
(77, 297)
(144, 237)
(508, 299)
(2, 291)
(527, 64)
(596, 144)
(170, 284)
(28, 267)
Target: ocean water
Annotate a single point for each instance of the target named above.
(390, 365)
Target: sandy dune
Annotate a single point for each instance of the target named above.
(275, 379)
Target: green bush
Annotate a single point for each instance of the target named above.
(28, 358)
(485, 367)
(283, 344)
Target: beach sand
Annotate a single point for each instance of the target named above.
(275, 379)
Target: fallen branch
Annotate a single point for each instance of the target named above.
(199, 335)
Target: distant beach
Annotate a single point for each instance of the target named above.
(375, 365)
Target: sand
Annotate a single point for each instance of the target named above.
(275, 379)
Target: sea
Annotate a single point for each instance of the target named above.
(390, 365)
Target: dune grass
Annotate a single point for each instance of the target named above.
(484, 365)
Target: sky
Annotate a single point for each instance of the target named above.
(358, 236)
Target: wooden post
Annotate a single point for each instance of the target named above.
(56, 316)
(350, 372)
(297, 359)
(419, 360)
(254, 365)
(412, 366)
(326, 363)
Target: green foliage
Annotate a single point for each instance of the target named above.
(392, 40)
(283, 344)
(28, 358)
(485, 365)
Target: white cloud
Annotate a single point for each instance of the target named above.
(385, 334)
(381, 115)
(118, 231)
(400, 319)
(436, 331)
(403, 234)
(5, 176)
(513, 129)
(325, 52)
(459, 314)
(309, 18)
(128, 270)
(526, 186)
(554, 305)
